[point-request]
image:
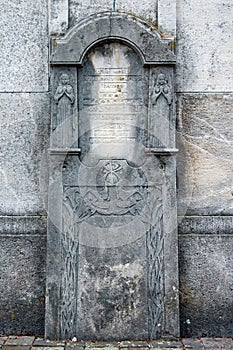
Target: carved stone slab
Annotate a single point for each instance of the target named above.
(112, 241)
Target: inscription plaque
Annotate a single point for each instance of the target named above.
(111, 104)
(112, 235)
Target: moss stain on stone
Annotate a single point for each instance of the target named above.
(186, 296)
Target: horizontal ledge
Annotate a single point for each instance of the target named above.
(60, 151)
(23, 225)
(80, 64)
(162, 151)
(209, 225)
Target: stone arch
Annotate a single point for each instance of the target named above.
(146, 41)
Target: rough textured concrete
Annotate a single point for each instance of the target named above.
(204, 46)
(22, 284)
(205, 160)
(206, 280)
(24, 122)
(24, 46)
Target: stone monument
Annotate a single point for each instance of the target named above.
(112, 235)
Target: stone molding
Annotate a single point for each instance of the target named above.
(23, 225)
(108, 26)
(206, 225)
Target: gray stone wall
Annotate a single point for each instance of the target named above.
(204, 88)
(146, 10)
(205, 108)
(24, 119)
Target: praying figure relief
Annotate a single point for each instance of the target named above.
(161, 88)
(64, 98)
(161, 100)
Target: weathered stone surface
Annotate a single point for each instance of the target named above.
(205, 159)
(121, 294)
(148, 43)
(54, 347)
(161, 347)
(217, 343)
(24, 46)
(220, 225)
(167, 17)
(74, 347)
(137, 344)
(24, 135)
(22, 284)
(146, 11)
(95, 346)
(204, 46)
(193, 344)
(161, 344)
(206, 281)
(112, 239)
(42, 343)
(15, 347)
(20, 341)
(59, 16)
(18, 225)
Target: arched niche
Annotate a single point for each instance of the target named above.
(157, 61)
(112, 269)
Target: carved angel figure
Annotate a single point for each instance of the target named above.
(64, 98)
(161, 88)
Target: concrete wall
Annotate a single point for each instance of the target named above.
(205, 138)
